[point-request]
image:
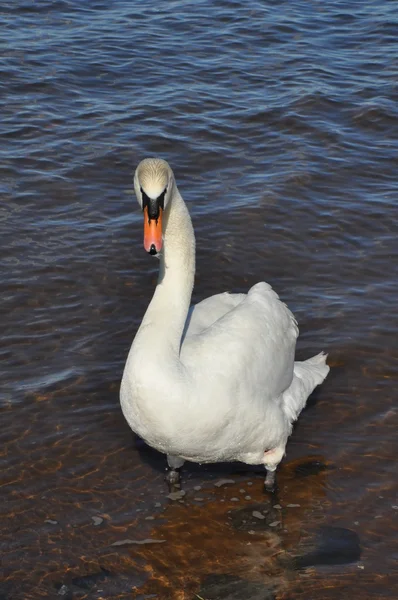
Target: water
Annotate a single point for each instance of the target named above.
(280, 121)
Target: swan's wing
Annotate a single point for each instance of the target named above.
(251, 347)
(206, 312)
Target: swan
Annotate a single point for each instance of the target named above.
(217, 381)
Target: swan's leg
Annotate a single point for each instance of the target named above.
(270, 481)
(173, 477)
(272, 458)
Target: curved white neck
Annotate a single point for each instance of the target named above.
(162, 326)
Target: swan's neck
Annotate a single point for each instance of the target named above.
(163, 323)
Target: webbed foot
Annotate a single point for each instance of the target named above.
(173, 479)
(173, 475)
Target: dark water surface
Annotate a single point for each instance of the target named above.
(280, 121)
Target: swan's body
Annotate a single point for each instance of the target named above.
(217, 382)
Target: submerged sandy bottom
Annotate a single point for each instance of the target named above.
(101, 525)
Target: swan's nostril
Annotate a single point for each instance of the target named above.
(152, 250)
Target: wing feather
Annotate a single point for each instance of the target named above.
(252, 344)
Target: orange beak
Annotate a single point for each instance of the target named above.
(152, 232)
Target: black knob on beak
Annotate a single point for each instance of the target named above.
(152, 250)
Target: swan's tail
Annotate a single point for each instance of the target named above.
(307, 375)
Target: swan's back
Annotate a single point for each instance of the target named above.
(208, 311)
(251, 345)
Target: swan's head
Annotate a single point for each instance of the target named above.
(153, 184)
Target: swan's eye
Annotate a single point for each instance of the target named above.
(153, 204)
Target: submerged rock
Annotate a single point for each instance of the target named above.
(310, 467)
(221, 482)
(254, 517)
(258, 515)
(86, 582)
(176, 495)
(333, 546)
(65, 593)
(230, 587)
(128, 542)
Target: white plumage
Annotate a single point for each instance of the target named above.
(217, 382)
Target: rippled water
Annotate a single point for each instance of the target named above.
(280, 121)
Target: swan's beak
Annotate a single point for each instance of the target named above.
(153, 232)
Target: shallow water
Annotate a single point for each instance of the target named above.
(280, 121)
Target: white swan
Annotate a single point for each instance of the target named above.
(217, 382)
